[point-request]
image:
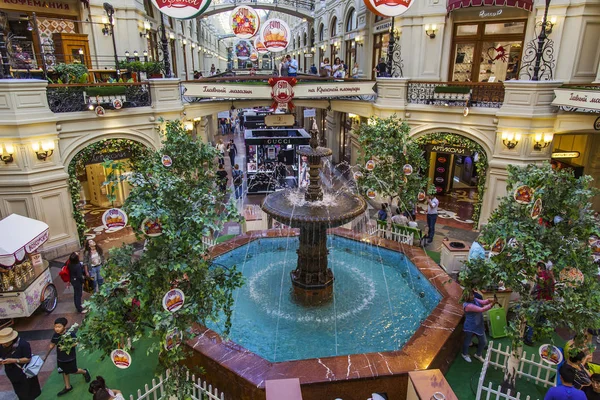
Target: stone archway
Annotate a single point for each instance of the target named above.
(111, 147)
(455, 144)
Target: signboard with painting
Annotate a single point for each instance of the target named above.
(244, 22)
(243, 49)
(275, 34)
(181, 9)
(389, 8)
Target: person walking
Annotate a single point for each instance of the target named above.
(66, 356)
(238, 181)
(16, 353)
(93, 259)
(222, 178)
(474, 307)
(232, 150)
(221, 150)
(432, 214)
(77, 272)
(292, 65)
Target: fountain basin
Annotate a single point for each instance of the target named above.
(241, 374)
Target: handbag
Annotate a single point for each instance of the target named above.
(33, 367)
(88, 284)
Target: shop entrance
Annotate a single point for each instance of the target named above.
(87, 174)
(457, 169)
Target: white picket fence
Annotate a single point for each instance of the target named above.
(531, 367)
(156, 391)
(208, 242)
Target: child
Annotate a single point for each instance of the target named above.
(66, 360)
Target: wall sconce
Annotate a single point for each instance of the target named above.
(171, 36)
(354, 118)
(29, 25)
(106, 30)
(146, 31)
(80, 52)
(47, 149)
(550, 24)
(184, 42)
(510, 140)
(10, 150)
(193, 45)
(542, 144)
(430, 30)
(135, 53)
(323, 47)
(189, 126)
(312, 50)
(359, 40)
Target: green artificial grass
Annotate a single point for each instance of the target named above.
(128, 381)
(463, 376)
(224, 238)
(434, 255)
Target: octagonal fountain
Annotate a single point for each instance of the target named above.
(347, 313)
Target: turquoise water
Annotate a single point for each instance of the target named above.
(380, 299)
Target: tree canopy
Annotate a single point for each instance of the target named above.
(183, 198)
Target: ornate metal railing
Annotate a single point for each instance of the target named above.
(83, 97)
(488, 95)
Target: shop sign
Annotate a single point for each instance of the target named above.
(243, 49)
(587, 99)
(308, 55)
(259, 46)
(120, 358)
(182, 9)
(310, 112)
(114, 219)
(36, 260)
(227, 91)
(113, 155)
(280, 120)
(40, 5)
(490, 14)
(244, 22)
(275, 35)
(442, 148)
(334, 89)
(566, 154)
(383, 27)
(37, 242)
(278, 140)
(389, 8)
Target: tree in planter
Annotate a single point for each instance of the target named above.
(183, 198)
(386, 150)
(545, 217)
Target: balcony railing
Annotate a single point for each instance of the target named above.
(488, 95)
(83, 97)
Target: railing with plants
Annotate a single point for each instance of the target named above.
(83, 96)
(481, 94)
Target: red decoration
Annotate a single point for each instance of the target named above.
(282, 91)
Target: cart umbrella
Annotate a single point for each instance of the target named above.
(20, 236)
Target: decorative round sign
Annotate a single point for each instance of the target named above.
(523, 194)
(253, 56)
(120, 358)
(243, 49)
(421, 196)
(173, 339)
(151, 227)
(117, 104)
(166, 161)
(571, 276)
(99, 110)
(245, 22)
(389, 8)
(370, 166)
(173, 300)
(551, 354)
(181, 9)
(114, 219)
(537, 209)
(259, 46)
(408, 169)
(497, 246)
(371, 193)
(358, 175)
(275, 34)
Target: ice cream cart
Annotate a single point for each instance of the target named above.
(25, 279)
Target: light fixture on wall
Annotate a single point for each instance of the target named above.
(80, 52)
(550, 24)
(47, 149)
(193, 45)
(323, 47)
(184, 42)
(126, 53)
(29, 25)
(7, 152)
(146, 31)
(359, 40)
(542, 141)
(431, 30)
(189, 126)
(145, 53)
(106, 30)
(510, 140)
(135, 53)
(171, 36)
(354, 118)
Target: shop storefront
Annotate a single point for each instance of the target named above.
(381, 40)
(272, 159)
(487, 42)
(53, 36)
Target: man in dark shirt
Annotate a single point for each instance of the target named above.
(66, 358)
(232, 150)
(381, 68)
(566, 391)
(593, 392)
(222, 178)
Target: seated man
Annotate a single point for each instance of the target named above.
(566, 390)
(399, 218)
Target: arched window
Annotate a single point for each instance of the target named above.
(312, 37)
(351, 21)
(333, 27)
(321, 33)
(304, 42)
(299, 43)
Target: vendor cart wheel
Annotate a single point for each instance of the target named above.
(49, 298)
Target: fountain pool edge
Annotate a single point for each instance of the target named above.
(241, 374)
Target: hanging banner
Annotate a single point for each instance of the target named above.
(245, 22)
(259, 46)
(283, 92)
(243, 49)
(182, 9)
(275, 35)
(253, 56)
(388, 8)
(585, 99)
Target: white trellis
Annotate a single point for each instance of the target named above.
(531, 367)
(156, 391)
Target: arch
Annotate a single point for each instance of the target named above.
(472, 134)
(333, 27)
(321, 32)
(351, 20)
(304, 39)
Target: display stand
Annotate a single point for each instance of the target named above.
(25, 279)
(272, 159)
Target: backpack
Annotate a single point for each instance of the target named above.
(64, 273)
(237, 178)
